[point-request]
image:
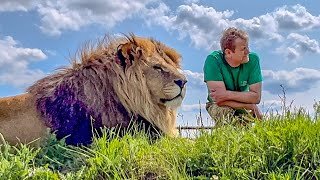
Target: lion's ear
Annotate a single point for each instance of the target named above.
(128, 53)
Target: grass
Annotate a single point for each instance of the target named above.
(283, 147)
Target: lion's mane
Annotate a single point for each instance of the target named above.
(104, 87)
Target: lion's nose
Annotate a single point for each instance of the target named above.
(180, 83)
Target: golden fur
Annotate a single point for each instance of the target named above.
(139, 74)
(19, 120)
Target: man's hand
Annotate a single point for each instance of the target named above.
(256, 111)
(219, 95)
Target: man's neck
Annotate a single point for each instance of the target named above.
(231, 63)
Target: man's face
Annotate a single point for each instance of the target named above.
(241, 52)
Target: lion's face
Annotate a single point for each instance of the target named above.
(164, 79)
(165, 82)
(161, 70)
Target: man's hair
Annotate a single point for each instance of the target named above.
(229, 36)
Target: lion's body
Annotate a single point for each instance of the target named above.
(110, 87)
(20, 119)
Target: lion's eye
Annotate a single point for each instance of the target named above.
(158, 68)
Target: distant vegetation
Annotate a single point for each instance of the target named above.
(283, 147)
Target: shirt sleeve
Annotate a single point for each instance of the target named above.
(211, 69)
(255, 75)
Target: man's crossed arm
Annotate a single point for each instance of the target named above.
(219, 93)
(237, 100)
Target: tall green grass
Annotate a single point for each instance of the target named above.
(281, 147)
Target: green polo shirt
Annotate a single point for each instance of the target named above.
(238, 78)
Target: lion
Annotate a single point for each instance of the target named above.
(116, 82)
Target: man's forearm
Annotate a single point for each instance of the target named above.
(236, 105)
(244, 97)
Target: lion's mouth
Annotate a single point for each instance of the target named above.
(167, 100)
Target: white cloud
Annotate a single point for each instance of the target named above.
(61, 15)
(191, 1)
(298, 80)
(54, 21)
(295, 18)
(271, 106)
(263, 27)
(203, 25)
(192, 107)
(14, 63)
(297, 45)
(159, 16)
(17, 5)
(195, 79)
(270, 103)
(304, 43)
(304, 99)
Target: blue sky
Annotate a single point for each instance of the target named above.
(37, 37)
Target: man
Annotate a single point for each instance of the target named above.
(233, 77)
